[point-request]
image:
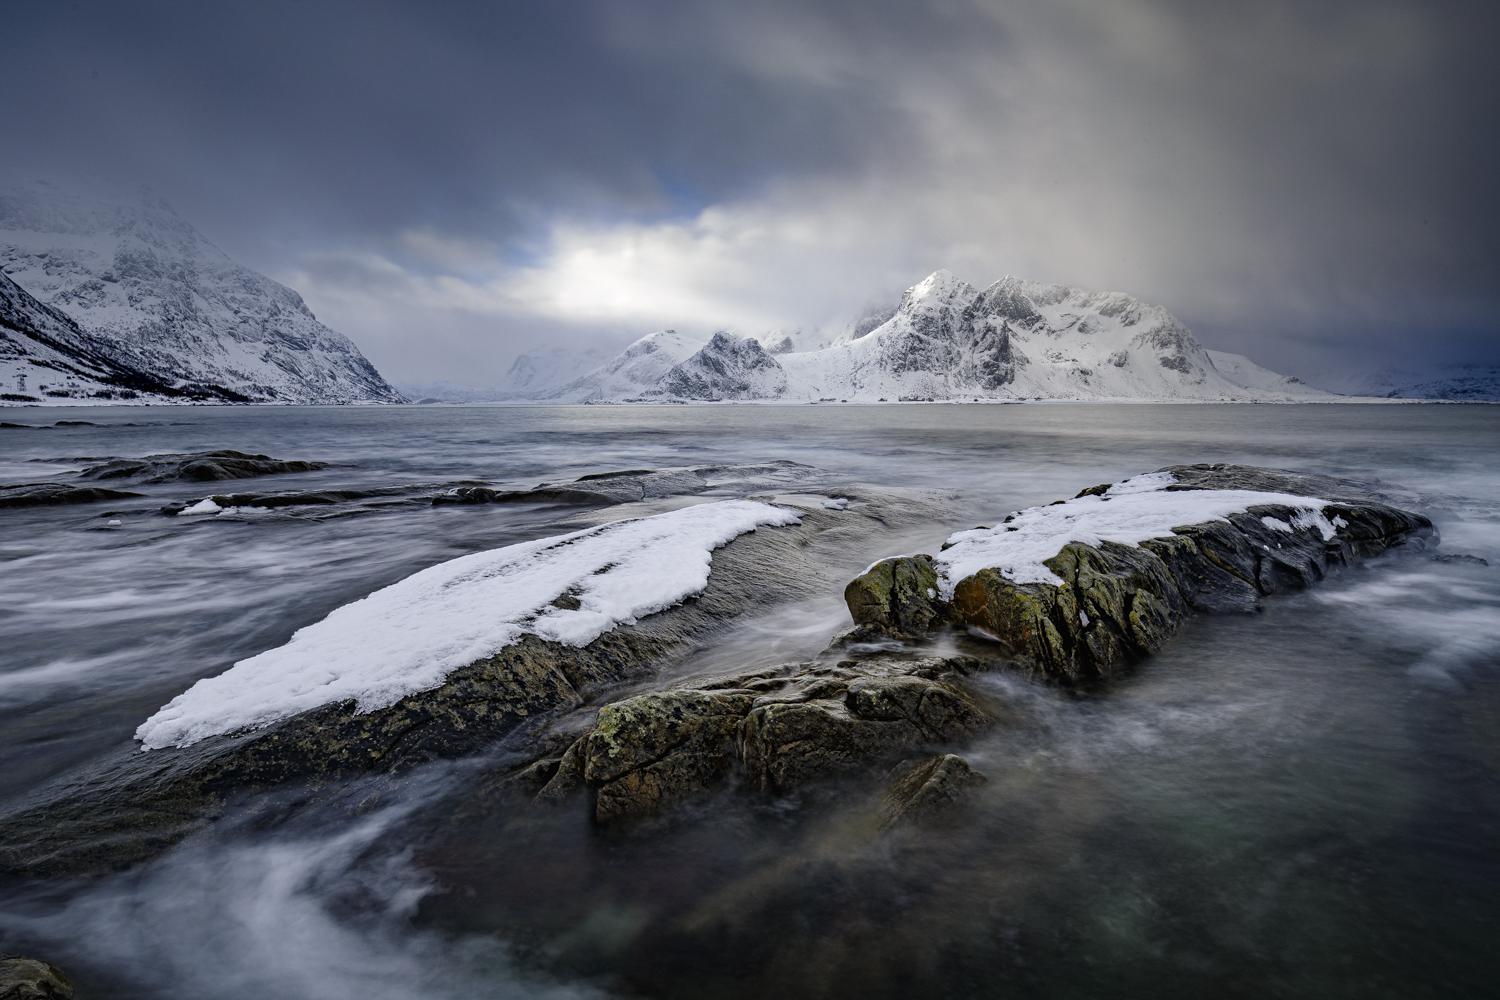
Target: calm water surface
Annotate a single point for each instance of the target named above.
(1304, 802)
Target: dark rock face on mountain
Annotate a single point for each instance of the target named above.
(199, 467)
(1117, 603)
(45, 355)
(162, 311)
(727, 367)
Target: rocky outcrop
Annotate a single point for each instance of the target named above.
(289, 498)
(30, 979)
(631, 485)
(50, 494)
(771, 731)
(897, 596)
(131, 806)
(203, 466)
(1116, 603)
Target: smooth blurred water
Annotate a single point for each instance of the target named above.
(1304, 802)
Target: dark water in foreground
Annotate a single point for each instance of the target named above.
(1305, 802)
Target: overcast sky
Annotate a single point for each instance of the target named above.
(451, 183)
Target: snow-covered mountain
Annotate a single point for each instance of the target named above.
(634, 372)
(727, 367)
(1457, 382)
(157, 297)
(947, 340)
(45, 357)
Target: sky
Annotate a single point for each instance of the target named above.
(450, 183)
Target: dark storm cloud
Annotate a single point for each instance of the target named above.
(450, 182)
(366, 117)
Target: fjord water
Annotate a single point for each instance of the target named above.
(1302, 802)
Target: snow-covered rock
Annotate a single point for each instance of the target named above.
(159, 298)
(409, 636)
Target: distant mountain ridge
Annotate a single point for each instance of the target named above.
(1456, 382)
(150, 295)
(947, 340)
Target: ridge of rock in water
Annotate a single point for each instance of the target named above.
(202, 466)
(135, 805)
(1116, 603)
(777, 729)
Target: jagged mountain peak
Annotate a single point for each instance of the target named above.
(729, 366)
(1016, 339)
(941, 287)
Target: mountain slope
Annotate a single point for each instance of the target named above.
(634, 372)
(1452, 382)
(45, 357)
(727, 367)
(160, 298)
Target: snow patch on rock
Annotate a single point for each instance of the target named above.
(409, 636)
(1130, 512)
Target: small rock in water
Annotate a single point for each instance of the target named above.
(924, 790)
(29, 979)
(1459, 557)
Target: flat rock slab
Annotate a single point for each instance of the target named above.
(54, 494)
(203, 466)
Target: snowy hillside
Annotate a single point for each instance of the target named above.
(947, 340)
(45, 357)
(727, 367)
(1021, 340)
(1456, 382)
(634, 372)
(160, 298)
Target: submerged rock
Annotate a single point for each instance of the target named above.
(927, 790)
(772, 730)
(50, 494)
(203, 466)
(30, 979)
(632, 485)
(290, 498)
(1113, 603)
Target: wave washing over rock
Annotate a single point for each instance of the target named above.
(503, 646)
